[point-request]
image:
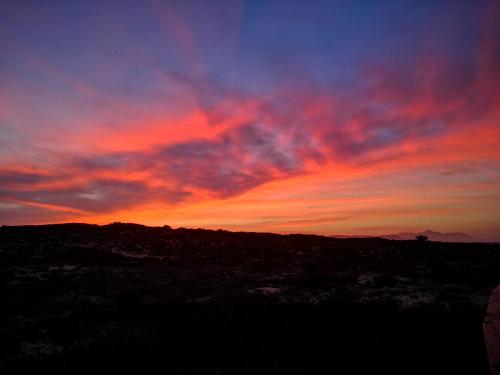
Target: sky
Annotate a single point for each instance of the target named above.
(328, 117)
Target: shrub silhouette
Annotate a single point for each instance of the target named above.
(421, 238)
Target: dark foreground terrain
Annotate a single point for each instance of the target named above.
(125, 297)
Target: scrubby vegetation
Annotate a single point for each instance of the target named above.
(82, 297)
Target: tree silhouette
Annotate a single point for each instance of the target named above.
(421, 238)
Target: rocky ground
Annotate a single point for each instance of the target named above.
(123, 296)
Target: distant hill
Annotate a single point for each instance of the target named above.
(433, 236)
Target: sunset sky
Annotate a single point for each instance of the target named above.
(335, 117)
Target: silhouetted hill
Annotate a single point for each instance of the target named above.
(122, 297)
(433, 236)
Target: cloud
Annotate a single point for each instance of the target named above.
(236, 161)
(93, 195)
(19, 214)
(274, 138)
(9, 177)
